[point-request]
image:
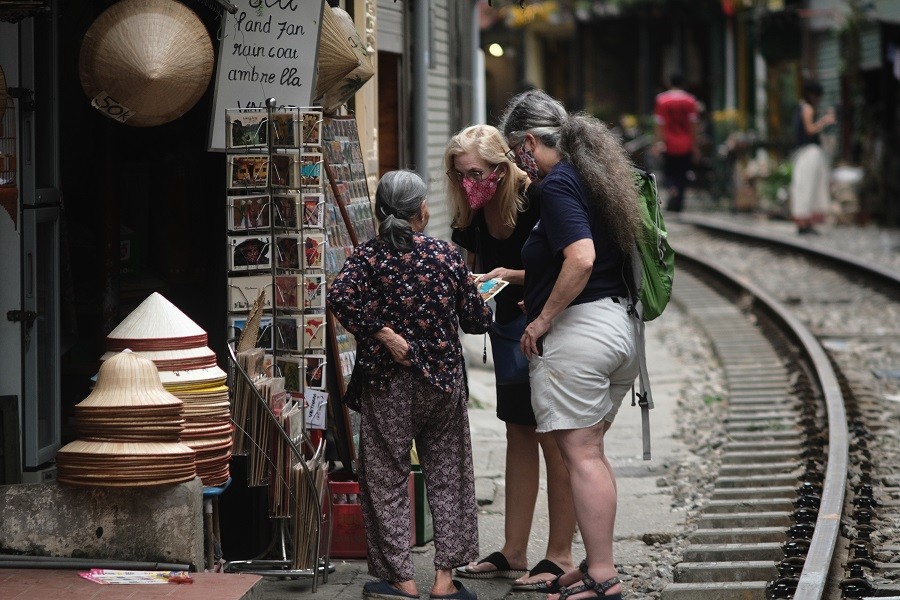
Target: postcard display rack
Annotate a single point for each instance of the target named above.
(277, 245)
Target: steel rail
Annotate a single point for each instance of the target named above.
(814, 576)
(842, 259)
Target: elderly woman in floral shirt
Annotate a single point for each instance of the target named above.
(403, 295)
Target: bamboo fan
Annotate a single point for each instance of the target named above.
(336, 57)
(250, 333)
(152, 58)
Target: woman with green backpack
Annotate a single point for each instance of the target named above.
(582, 336)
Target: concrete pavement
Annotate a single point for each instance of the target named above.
(643, 510)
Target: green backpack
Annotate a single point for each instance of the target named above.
(656, 256)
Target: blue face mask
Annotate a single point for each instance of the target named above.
(525, 161)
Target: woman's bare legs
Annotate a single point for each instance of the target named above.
(594, 496)
(522, 474)
(560, 507)
(522, 482)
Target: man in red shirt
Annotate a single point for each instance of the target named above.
(676, 131)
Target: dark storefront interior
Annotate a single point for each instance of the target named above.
(144, 211)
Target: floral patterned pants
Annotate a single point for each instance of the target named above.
(413, 409)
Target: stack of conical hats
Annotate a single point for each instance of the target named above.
(129, 427)
(158, 330)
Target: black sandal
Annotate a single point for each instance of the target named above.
(588, 584)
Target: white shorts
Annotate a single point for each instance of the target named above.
(589, 363)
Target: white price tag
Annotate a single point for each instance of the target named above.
(111, 108)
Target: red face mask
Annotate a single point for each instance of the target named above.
(479, 192)
(525, 161)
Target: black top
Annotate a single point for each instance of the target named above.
(800, 136)
(493, 253)
(569, 215)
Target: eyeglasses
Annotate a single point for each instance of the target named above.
(473, 175)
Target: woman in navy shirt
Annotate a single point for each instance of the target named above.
(580, 337)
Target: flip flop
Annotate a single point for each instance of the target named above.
(545, 587)
(461, 593)
(502, 570)
(382, 590)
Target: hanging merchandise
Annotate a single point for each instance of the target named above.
(337, 59)
(145, 62)
(333, 97)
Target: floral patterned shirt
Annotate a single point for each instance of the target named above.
(421, 294)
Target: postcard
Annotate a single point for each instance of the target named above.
(245, 129)
(284, 170)
(490, 288)
(311, 169)
(288, 293)
(248, 212)
(287, 334)
(313, 291)
(314, 332)
(243, 291)
(291, 368)
(285, 129)
(314, 370)
(313, 250)
(250, 252)
(316, 403)
(314, 211)
(286, 209)
(287, 248)
(264, 340)
(312, 128)
(247, 171)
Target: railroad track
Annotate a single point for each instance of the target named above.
(806, 500)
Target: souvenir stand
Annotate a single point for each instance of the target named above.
(276, 295)
(350, 222)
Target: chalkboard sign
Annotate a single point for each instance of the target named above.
(268, 49)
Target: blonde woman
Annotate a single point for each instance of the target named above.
(494, 206)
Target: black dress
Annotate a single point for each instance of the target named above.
(513, 400)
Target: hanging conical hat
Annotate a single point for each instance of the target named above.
(156, 325)
(335, 96)
(127, 380)
(152, 57)
(336, 57)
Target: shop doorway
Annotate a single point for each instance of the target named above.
(40, 330)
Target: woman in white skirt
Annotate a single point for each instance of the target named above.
(809, 180)
(581, 336)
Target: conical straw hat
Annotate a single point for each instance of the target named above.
(336, 57)
(176, 380)
(152, 57)
(177, 360)
(156, 325)
(332, 98)
(128, 379)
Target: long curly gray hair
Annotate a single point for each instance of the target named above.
(591, 147)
